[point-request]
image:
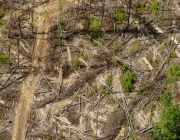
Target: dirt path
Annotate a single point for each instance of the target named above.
(30, 82)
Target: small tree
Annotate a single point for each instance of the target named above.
(76, 63)
(3, 58)
(168, 126)
(120, 14)
(127, 80)
(94, 27)
(173, 73)
(154, 7)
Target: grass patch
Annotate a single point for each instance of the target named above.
(3, 58)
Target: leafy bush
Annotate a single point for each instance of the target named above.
(154, 7)
(76, 62)
(3, 58)
(173, 54)
(173, 73)
(142, 5)
(168, 126)
(127, 80)
(95, 28)
(134, 48)
(2, 22)
(48, 138)
(120, 14)
(1, 12)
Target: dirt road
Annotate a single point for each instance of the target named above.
(30, 82)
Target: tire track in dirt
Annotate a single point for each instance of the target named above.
(30, 82)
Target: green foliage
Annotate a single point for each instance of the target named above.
(3, 58)
(173, 54)
(2, 22)
(76, 63)
(127, 80)
(90, 93)
(94, 27)
(109, 79)
(1, 12)
(117, 47)
(168, 126)
(124, 67)
(140, 6)
(173, 73)
(61, 136)
(166, 99)
(48, 138)
(120, 14)
(154, 7)
(133, 136)
(104, 91)
(59, 41)
(134, 48)
(114, 61)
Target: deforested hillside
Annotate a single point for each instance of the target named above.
(89, 69)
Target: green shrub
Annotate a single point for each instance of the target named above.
(61, 136)
(3, 58)
(120, 14)
(104, 91)
(95, 28)
(168, 126)
(134, 48)
(173, 73)
(2, 22)
(173, 54)
(154, 7)
(142, 5)
(109, 79)
(76, 63)
(1, 12)
(48, 138)
(127, 80)
(59, 41)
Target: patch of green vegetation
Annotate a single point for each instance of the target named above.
(48, 138)
(84, 55)
(104, 91)
(94, 27)
(2, 22)
(61, 135)
(134, 48)
(114, 61)
(173, 54)
(127, 80)
(90, 93)
(59, 41)
(3, 58)
(154, 7)
(1, 12)
(109, 79)
(120, 14)
(168, 126)
(76, 63)
(173, 73)
(124, 67)
(140, 6)
(133, 136)
(117, 47)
